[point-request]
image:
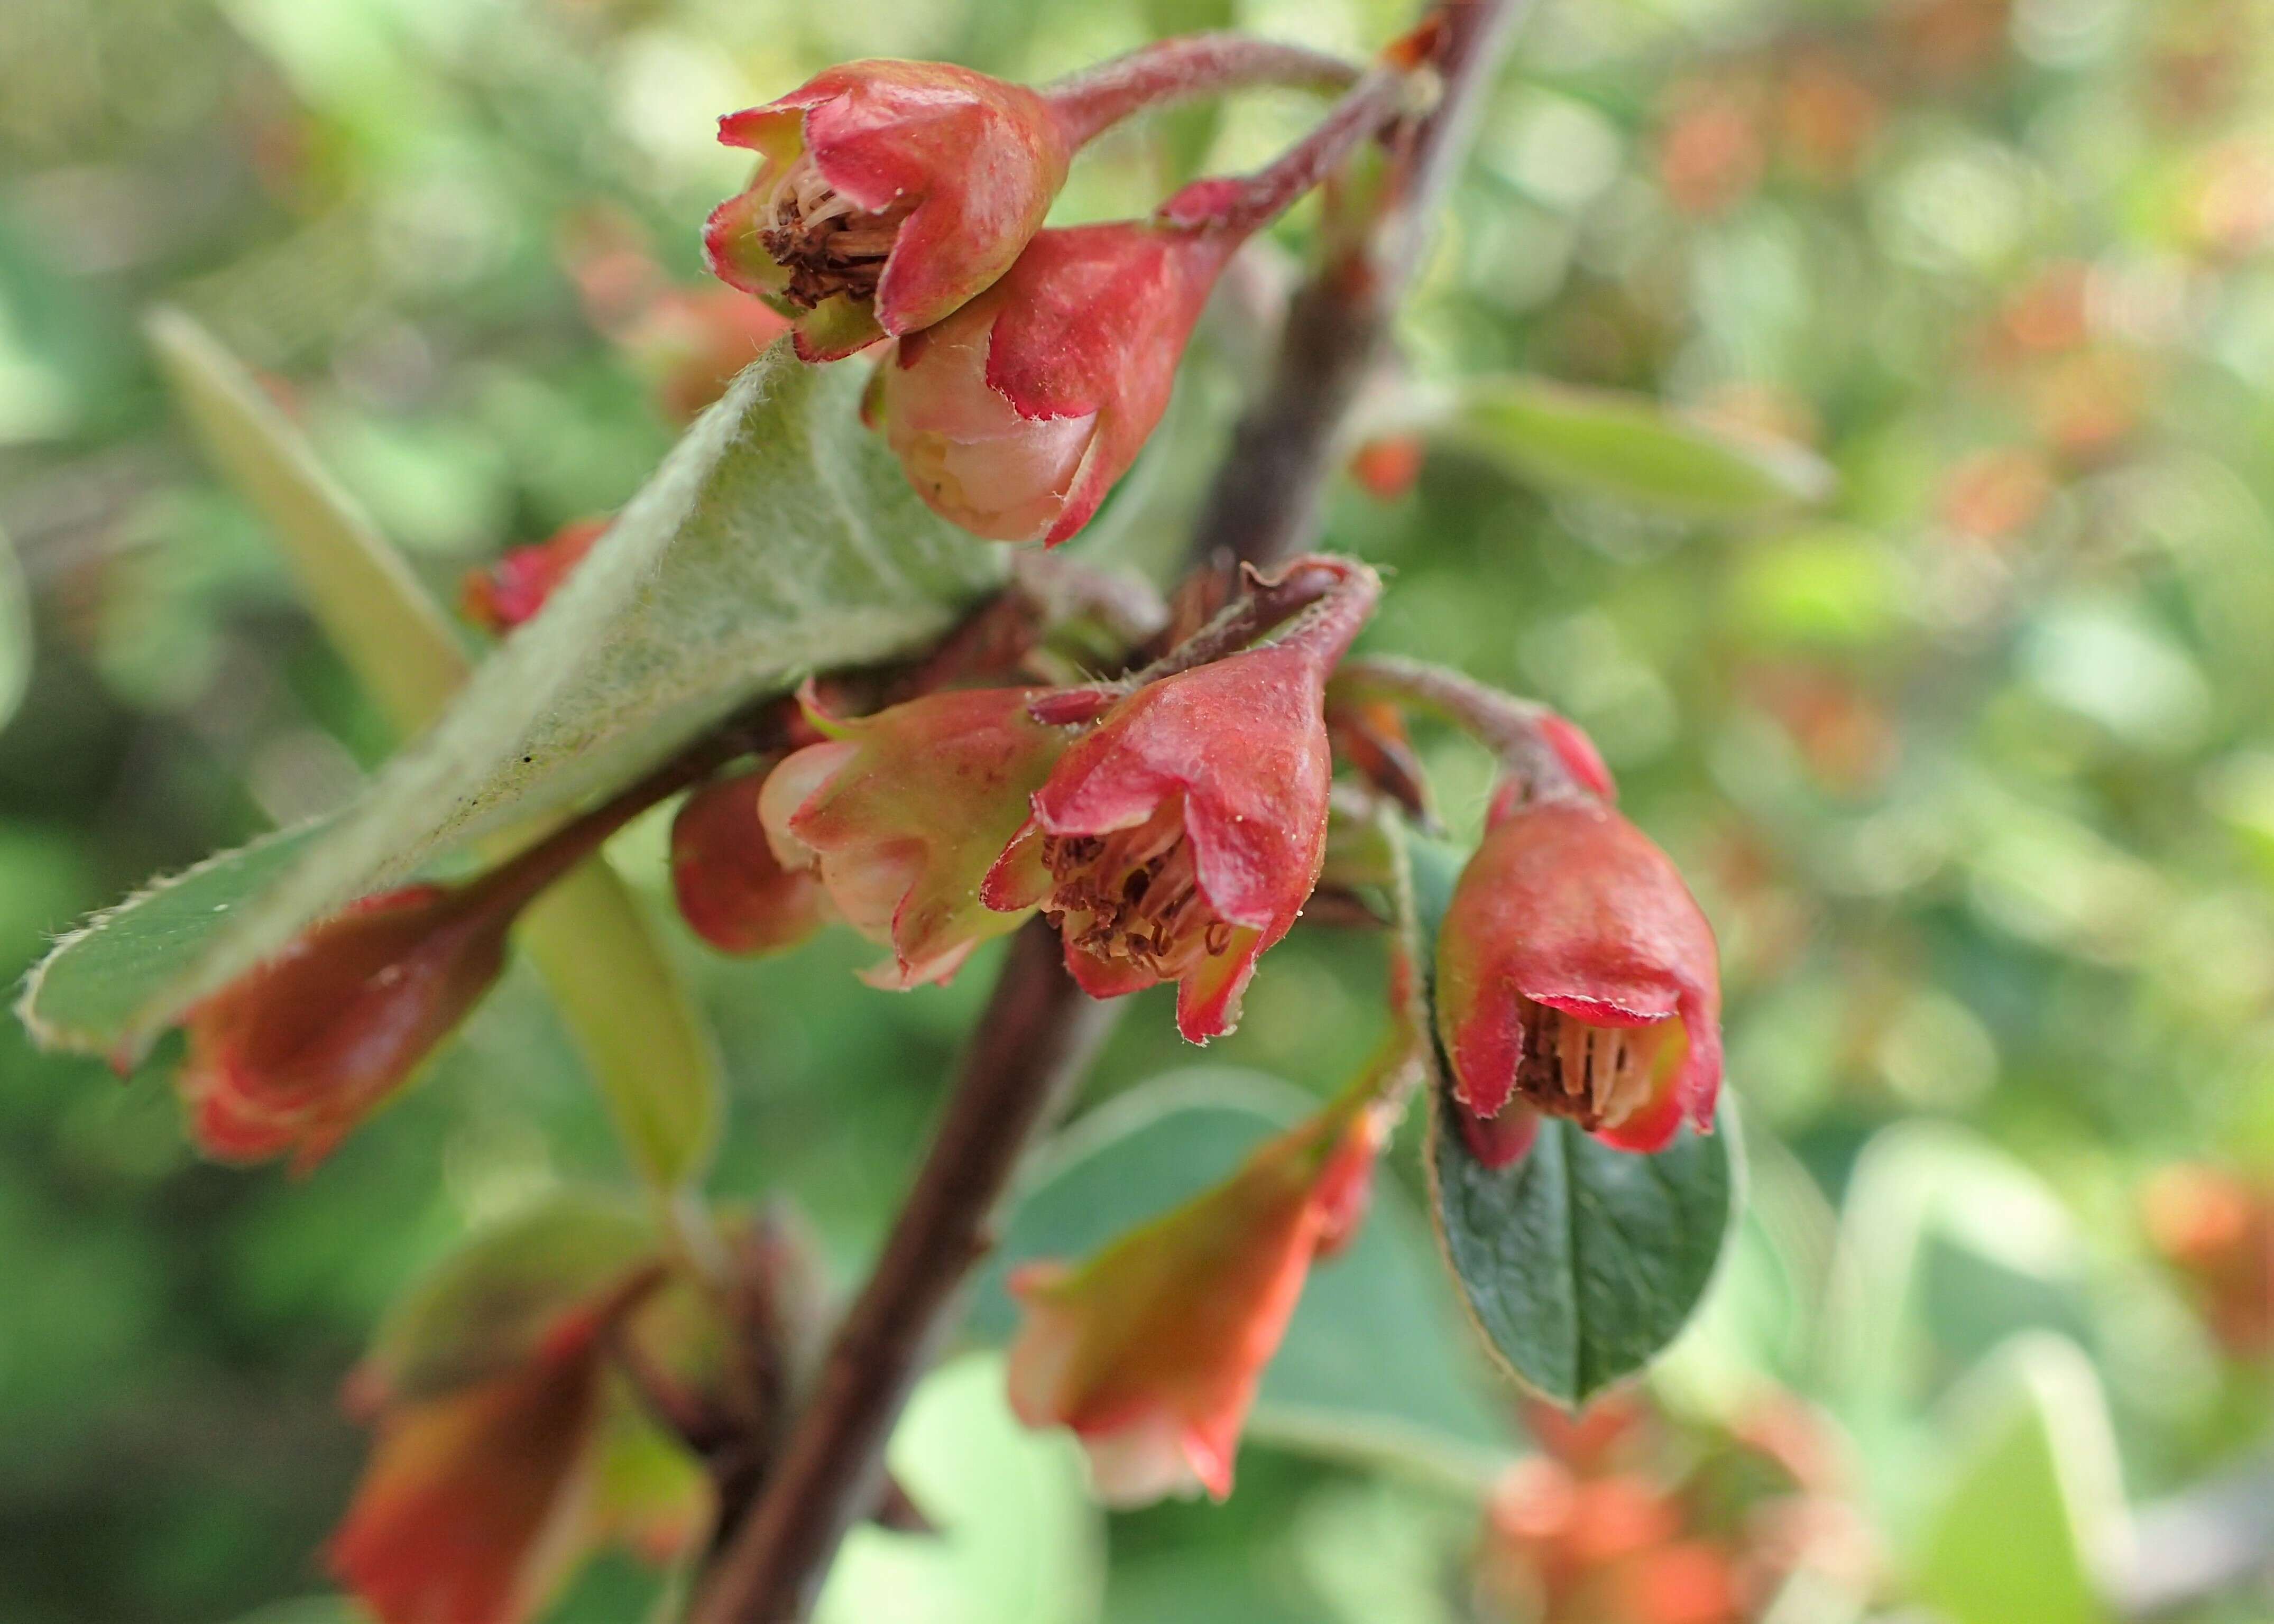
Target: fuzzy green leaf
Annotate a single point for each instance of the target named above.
(778, 537)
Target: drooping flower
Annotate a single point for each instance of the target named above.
(478, 1501)
(295, 1054)
(900, 813)
(731, 889)
(516, 587)
(1181, 837)
(1576, 977)
(1151, 1352)
(889, 193)
(1015, 416)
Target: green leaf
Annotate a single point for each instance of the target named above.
(613, 986)
(483, 1309)
(1375, 1364)
(2036, 1501)
(1579, 1263)
(371, 606)
(86, 990)
(1018, 1542)
(15, 632)
(779, 536)
(1628, 448)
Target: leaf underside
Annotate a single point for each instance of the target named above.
(778, 537)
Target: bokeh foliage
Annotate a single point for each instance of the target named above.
(1972, 763)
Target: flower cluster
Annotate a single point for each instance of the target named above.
(905, 200)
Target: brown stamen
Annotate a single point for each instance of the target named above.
(1135, 896)
(827, 245)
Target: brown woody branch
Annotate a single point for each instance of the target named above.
(1039, 1031)
(1264, 506)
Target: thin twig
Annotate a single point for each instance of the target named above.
(1039, 1031)
(1031, 1046)
(1264, 506)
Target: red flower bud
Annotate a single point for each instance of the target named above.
(478, 1501)
(890, 193)
(515, 588)
(1181, 837)
(1151, 1352)
(1576, 977)
(1015, 416)
(295, 1054)
(732, 890)
(900, 813)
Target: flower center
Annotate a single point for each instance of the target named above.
(1597, 1075)
(1134, 895)
(826, 245)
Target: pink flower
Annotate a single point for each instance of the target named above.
(1180, 837)
(1015, 416)
(732, 890)
(1576, 977)
(890, 193)
(1151, 1350)
(295, 1054)
(900, 813)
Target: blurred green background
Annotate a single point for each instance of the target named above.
(1972, 763)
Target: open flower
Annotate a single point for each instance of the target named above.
(293, 1054)
(889, 193)
(1180, 837)
(900, 813)
(731, 889)
(1576, 977)
(1151, 1350)
(1015, 416)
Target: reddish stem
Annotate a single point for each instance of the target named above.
(1240, 206)
(1179, 70)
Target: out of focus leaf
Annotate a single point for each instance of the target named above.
(484, 1308)
(777, 537)
(1017, 1540)
(15, 632)
(309, 1609)
(1375, 1364)
(371, 606)
(2034, 1509)
(1915, 1184)
(1579, 1263)
(1628, 448)
(1834, 586)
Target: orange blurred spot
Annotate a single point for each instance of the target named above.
(1387, 468)
(1995, 494)
(1692, 1583)
(1711, 155)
